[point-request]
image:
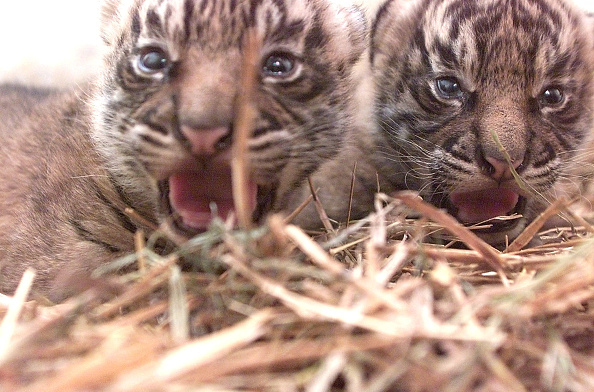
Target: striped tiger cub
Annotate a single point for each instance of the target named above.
(154, 131)
(482, 105)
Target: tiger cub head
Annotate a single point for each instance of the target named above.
(165, 103)
(482, 104)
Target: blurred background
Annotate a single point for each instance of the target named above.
(49, 41)
(57, 42)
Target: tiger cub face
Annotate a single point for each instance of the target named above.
(165, 105)
(482, 104)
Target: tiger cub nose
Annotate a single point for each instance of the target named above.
(501, 170)
(207, 141)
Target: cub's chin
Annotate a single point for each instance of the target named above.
(497, 215)
(501, 231)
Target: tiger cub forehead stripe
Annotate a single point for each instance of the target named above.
(220, 22)
(478, 32)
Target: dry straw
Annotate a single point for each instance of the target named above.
(272, 309)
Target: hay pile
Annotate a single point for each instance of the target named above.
(371, 307)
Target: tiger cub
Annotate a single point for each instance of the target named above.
(154, 131)
(482, 105)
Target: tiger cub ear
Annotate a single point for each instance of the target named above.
(114, 18)
(351, 20)
(391, 26)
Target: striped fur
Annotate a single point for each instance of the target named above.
(154, 131)
(301, 120)
(452, 73)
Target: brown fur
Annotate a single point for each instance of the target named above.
(53, 186)
(73, 161)
(504, 56)
(438, 145)
(333, 182)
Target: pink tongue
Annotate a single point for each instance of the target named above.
(485, 204)
(191, 195)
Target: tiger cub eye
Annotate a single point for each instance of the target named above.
(552, 96)
(279, 65)
(448, 88)
(153, 60)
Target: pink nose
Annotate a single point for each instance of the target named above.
(501, 169)
(204, 141)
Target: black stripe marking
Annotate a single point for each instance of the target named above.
(455, 166)
(154, 24)
(316, 37)
(87, 235)
(447, 55)
(124, 220)
(545, 156)
(188, 16)
(285, 33)
(449, 145)
(136, 27)
(150, 139)
(150, 120)
(382, 12)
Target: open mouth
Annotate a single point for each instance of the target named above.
(498, 208)
(193, 198)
